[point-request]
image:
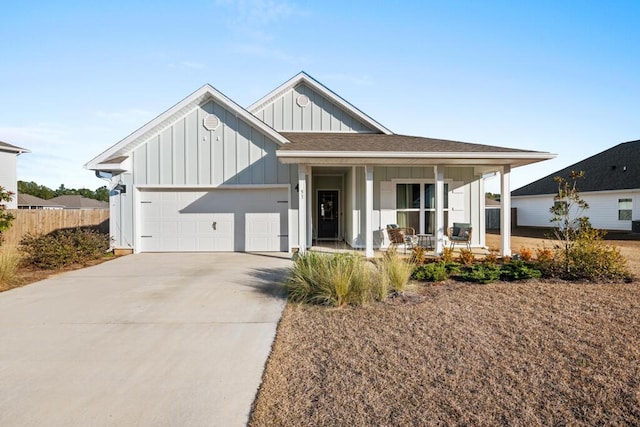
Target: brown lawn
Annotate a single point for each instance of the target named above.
(531, 353)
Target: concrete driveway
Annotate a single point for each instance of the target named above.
(144, 340)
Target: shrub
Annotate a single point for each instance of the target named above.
(433, 272)
(592, 259)
(466, 257)
(9, 263)
(447, 255)
(453, 268)
(544, 254)
(481, 273)
(62, 248)
(587, 257)
(397, 270)
(519, 270)
(5, 217)
(418, 254)
(491, 258)
(526, 254)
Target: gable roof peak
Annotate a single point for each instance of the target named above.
(165, 119)
(304, 77)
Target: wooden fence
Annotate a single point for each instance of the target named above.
(43, 221)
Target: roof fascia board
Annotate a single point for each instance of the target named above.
(413, 154)
(155, 126)
(303, 77)
(13, 149)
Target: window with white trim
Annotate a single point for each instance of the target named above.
(416, 206)
(624, 209)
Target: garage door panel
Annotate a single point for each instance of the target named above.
(218, 220)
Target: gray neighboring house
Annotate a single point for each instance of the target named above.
(27, 201)
(611, 187)
(8, 170)
(298, 166)
(79, 202)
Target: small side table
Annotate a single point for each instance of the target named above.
(425, 241)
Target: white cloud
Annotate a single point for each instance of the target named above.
(253, 22)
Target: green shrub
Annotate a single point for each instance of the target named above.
(9, 263)
(62, 248)
(587, 258)
(481, 273)
(519, 270)
(433, 272)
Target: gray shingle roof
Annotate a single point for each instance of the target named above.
(617, 168)
(79, 202)
(310, 141)
(29, 200)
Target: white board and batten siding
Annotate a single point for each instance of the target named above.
(302, 109)
(186, 153)
(186, 178)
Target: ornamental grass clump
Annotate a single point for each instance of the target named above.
(397, 270)
(9, 264)
(335, 280)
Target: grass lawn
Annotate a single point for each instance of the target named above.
(531, 353)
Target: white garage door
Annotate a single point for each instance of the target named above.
(245, 220)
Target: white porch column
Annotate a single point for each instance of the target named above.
(505, 211)
(310, 197)
(368, 225)
(302, 209)
(438, 172)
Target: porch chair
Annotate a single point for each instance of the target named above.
(460, 233)
(402, 236)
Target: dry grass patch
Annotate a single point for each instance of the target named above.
(505, 353)
(9, 268)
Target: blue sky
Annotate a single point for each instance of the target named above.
(558, 76)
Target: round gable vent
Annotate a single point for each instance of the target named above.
(211, 122)
(302, 100)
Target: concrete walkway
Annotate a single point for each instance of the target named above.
(144, 340)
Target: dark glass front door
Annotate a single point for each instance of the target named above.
(328, 214)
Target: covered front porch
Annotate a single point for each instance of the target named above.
(381, 179)
(348, 207)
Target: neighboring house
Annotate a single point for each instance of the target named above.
(611, 187)
(492, 213)
(299, 165)
(27, 201)
(8, 180)
(79, 202)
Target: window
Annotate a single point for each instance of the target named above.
(416, 206)
(624, 209)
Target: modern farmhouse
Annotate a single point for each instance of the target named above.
(298, 166)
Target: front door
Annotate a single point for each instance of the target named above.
(328, 215)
